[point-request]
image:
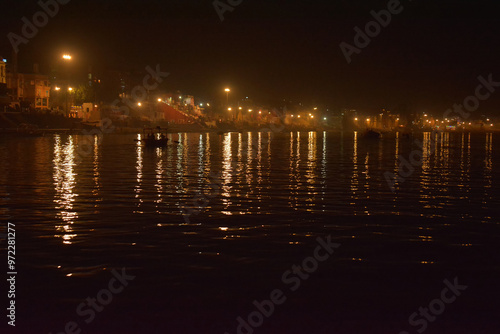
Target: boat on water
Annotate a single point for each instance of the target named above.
(371, 134)
(154, 137)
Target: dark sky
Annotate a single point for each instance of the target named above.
(427, 58)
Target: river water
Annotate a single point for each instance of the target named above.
(211, 223)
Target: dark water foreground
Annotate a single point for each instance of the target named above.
(184, 239)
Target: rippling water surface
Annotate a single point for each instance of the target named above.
(209, 225)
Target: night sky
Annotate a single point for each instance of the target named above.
(427, 58)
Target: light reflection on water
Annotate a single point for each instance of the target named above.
(64, 184)
(286, 175)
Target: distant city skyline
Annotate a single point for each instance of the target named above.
(427, 58)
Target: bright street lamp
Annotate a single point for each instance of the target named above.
(227, 90)
(67, 57)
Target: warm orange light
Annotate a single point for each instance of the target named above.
(66, 57)
(227, 90)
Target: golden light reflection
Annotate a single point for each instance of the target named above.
(294, 174)
(159, 178)
(355, 172)
(249, 173)
(139, 167)
(324, 162)
(64, 183)
(311, 174)
(96, 173)
(396, 170)
(426, 174)
(207, 153)
(258, 168)
(227, 170)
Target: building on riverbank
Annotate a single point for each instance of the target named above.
(29, 91)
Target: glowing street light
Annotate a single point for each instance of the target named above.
(159, 100)
(227, 90)
(139, 104)
(229, 109)
(67, 57)
(250, 110)
(57, 88)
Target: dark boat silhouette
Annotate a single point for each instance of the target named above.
(155, 137)
(371, 134)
